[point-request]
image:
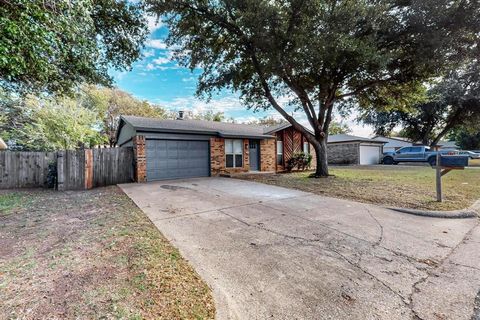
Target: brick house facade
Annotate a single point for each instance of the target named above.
(171, 149)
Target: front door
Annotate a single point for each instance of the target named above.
(254, 154)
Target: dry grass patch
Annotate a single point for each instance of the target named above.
(399, 186)
(474, 163)
(91, 255)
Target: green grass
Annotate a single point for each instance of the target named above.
(10, 201)
(399, 186)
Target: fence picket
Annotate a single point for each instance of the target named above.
(20, 169)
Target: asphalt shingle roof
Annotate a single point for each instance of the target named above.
(224, 129)
(337, 138)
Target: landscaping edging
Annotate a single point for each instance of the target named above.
(472, 212)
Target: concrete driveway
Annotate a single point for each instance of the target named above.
(275, 253)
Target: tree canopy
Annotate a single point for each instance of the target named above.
(47, 124)
(452, 103)
(87, 119)
(51, 46)
(316, 53)
(467, 138)
(110, 103)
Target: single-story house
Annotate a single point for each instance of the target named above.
(448, 145)
(393, 143)
(183, 148)
(353, 150)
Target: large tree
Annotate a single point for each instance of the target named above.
(467, 138)
(47, 124)
(110, 103)
(53, 45)
(452, 103)
(317, 53)
(85, 119)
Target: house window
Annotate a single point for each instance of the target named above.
(280, 152)
(234, 153)
(306, 148)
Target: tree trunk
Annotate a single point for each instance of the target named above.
(321, 158)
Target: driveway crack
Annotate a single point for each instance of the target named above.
(380, 238)
(328, 248)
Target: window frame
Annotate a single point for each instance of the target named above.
(280, 163)
(307, 149)
(233, 153)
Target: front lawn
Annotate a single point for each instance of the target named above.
(91, 255)
(474, 163)
(398, 186)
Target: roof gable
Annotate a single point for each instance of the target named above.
(223, 129)
(339, 138)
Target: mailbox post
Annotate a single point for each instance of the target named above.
(445, 164)
(438, 170)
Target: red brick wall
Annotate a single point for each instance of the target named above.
(217, 157)
(268, 155)
(140, 159)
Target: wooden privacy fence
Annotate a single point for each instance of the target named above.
(24, 169)
(76, 169)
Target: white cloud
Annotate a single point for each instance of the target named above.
(148, 53)
(156, 44)
(153, 23)
(189, 79)
(161, 60)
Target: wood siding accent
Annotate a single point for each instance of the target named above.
(292, 143)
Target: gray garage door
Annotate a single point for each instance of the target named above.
(173, 159)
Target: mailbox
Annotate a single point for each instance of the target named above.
(454, 161)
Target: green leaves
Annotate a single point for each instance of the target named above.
(86, 119)
(316, 51)
(51, 46)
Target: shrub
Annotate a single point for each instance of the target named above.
(300, 160)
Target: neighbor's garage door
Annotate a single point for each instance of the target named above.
(173, 159)
(369, 155)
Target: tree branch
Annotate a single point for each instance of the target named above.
(363, 87)
(271, 99)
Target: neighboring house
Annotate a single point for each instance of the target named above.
(448, 145)
(170, 149)
(393, 143)
(348, 149)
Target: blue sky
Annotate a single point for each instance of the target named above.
(159, 80)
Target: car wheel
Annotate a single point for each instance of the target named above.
(432, 161)
(388, 160)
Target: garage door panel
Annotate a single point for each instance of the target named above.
(170, 159)
(369, 155)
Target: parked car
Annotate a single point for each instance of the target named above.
(471, 154)
(412, 154)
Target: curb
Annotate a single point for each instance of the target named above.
(472, 212)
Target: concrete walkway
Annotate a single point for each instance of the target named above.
(275, 253)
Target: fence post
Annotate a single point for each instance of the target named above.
(61, 170)
(88, 168)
